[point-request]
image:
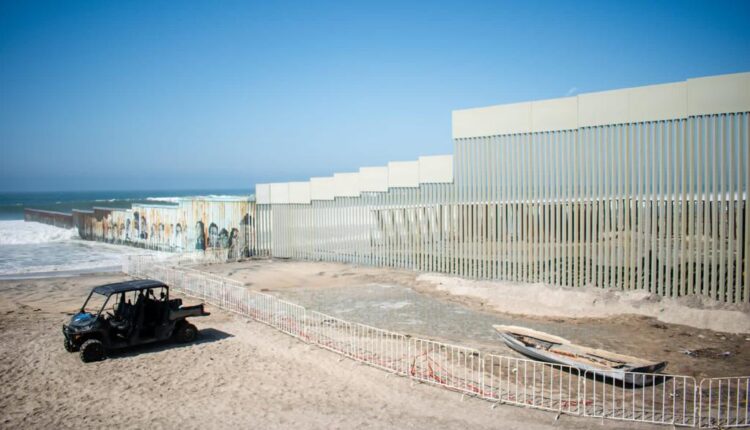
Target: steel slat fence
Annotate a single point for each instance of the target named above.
(659, 206)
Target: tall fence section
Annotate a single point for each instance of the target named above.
(665, 399)
(659, 206)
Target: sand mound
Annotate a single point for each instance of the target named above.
(564, 302)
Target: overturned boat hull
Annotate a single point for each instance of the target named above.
(591, 362)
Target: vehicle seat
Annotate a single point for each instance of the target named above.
(138, 312)
(120, 311)
(121, 319)
(119, 324)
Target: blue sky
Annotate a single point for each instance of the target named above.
(165, 95)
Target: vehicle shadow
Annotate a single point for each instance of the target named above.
(206, 335)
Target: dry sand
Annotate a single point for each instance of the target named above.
(239, 374)
(244, 374)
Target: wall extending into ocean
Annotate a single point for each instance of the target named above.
(194, 224)
(57, 219)
(642, 188)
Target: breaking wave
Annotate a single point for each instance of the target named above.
(17, 232)
(28, 248)
(208, 196)
(164, 199)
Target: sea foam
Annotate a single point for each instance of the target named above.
(34, 248)
(18, 232)
(208, 196)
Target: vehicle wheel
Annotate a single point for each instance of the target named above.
(186, 333)
(92, 350)
(69, 346)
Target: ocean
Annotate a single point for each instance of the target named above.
(29, 249)
(12, 204)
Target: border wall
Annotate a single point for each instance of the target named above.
(57, 219)
(194, 224)
(642, 188)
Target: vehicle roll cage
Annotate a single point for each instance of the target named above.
(109, 293)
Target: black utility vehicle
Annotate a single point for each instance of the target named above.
(127, 314)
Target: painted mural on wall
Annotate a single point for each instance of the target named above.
(224, 224)
(144, 226)
(193, 225)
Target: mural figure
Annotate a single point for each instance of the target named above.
(223, 239)
(200, 241)
(161, 233)
(213, 236)
(234, 243)
(144, 228)
(102, 229)
(178, 235)
(245, 224)
(127, 229)
(136, 223)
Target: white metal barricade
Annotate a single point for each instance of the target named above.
(642, 397)
(454, 367)
(532, 383)
(645, 397)
(724, 402)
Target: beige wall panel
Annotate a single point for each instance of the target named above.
(657, 102)
(435, 169)
(719, 94)
(321, 188)
(373, 179)
(710, 95)
(346, 184)
(280, 193)
(492, 120)
(554, 114)
(403, 174)
(608, 107)
(263, 194)
(299, 192)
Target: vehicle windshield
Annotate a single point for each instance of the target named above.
(95, 303)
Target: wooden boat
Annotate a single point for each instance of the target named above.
(597, 362)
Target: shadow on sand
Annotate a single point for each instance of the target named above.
(206, 335)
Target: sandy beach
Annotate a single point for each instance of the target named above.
(374, 215)
(244, 374)
(239, 374)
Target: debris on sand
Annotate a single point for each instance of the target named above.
(707, 353)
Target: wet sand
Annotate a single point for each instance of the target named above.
(239, 374)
